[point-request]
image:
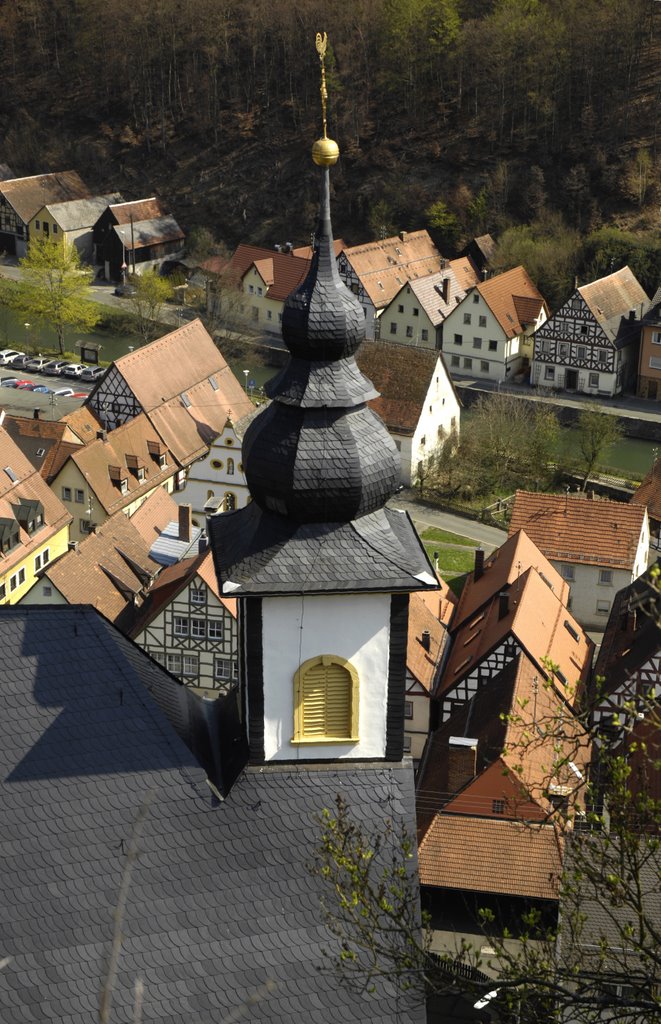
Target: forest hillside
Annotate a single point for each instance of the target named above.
(459, 115)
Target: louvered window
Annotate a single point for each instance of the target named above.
(326, 701)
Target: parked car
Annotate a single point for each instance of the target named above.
(42, 389)
(19, 361)
(26, 385)
(93, 373)
(54, 367)
(7, 354)
(125, 289)
(8, 382)
(37, 364)
(73, 369)
(64, 392)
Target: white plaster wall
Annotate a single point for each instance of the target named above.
(504, 362)
(440, 408)
(203, 477)
(355, 627)
(643, 550)
(407, 318)
(585, 591)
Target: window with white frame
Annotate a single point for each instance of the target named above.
(17, 579)
(606, 577)
(215, 629)
(198, 595)
(173, 664)
(566, 571)
(656, 337)
(408, 709)
(198, 628)
(603, 607)
(190, 666)
(593, 380)
(41, 559)
(225, 669)
(180, 625)
(549, 373)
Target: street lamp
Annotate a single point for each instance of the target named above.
(27, 337)
(245, 374)
(124, 267)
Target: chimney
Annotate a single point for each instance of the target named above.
(185, 522)
(445, 286)
(425, 640)
(503, 604)
(632, 314)
(72, 545)
(462, 762)
(403, 235)
(102, 435)
(590, 495)
(36, 414)
(203, 542)
(479, 564)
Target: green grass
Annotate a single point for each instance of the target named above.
(445, 537)
(451, 562)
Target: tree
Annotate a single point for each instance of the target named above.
(598, 431)
(54, 289)
(149, 293)
(446, 223)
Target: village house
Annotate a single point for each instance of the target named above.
(430, 615)
(131, 237)
(649, 362)
(417, 401)
(22, 198)
(116, 472)
(376, 271)
(648, 494)
(597, 546)
(46, 443)
(216, 480)
(72, 222)
(112, 568)
(591, 343)
(416, 313)
(34, 523)
(488, 335)
(190, 628)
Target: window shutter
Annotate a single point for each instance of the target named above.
(326, 701)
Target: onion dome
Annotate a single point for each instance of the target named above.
(318, 454)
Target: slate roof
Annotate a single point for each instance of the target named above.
(403, 375)
(81, 213)
(577, 529)
(491, 855)
(144, 233)
(29, 195)
(513, 299)
(611, 298)
(384, 266)
(263, 553)
(222, 916)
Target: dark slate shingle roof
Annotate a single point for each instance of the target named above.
(258, 552)
(220, 904)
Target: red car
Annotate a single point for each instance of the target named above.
(25, 385)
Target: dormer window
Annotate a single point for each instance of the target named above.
(9, 535)
(137, 466)
(119, 477)
(29, 515)
(158, 452)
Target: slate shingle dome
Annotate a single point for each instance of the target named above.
(318, 454)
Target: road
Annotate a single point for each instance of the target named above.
(424, 515)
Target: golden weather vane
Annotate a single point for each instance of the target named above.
(325, 151)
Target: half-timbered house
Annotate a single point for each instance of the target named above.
(597, 546)
(591, 343)
(190, 628)
(22, 198)
(376, 271)
(488, 334)
(429, 617)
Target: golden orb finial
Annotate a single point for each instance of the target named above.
(325, 151)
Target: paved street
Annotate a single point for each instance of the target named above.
(423, 515)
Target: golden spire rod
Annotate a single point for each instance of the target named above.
(325, 151)
(322, 45)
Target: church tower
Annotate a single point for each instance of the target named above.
(321, 567)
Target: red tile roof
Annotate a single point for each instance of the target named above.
(501, 569)
(172, 581)
(281, 272)
(403, 375)
(513, 299)
(649, 492)
(421, 663)
(574, 529)
(29, 195)
(489, 855)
